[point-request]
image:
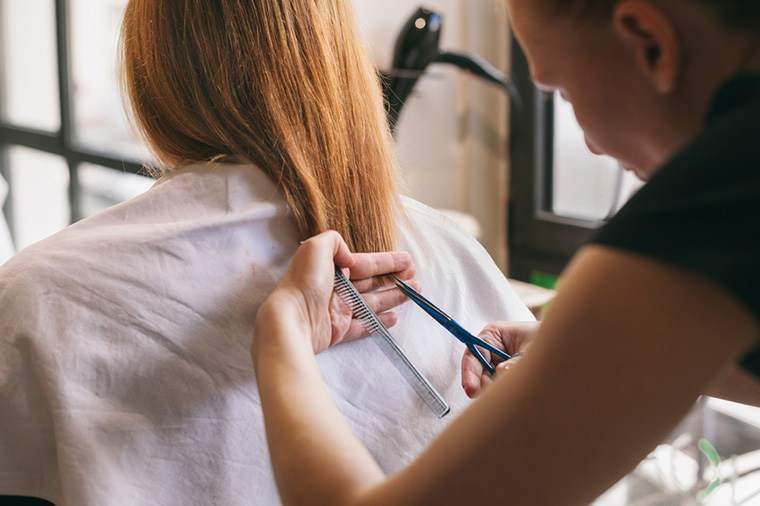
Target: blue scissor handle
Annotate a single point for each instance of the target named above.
(488, 366)
(473, 343)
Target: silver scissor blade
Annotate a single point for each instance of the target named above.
(419, 299)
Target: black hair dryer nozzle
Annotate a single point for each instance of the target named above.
(417, 47)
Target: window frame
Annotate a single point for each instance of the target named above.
(61, 143)
(540, 241)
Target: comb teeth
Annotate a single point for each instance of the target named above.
(358, 307)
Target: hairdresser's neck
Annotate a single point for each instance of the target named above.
(703, 79)
(723, 61)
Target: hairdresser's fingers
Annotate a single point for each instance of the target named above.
(320, 249)
(370, 265)
(342, 256)
(340, 319)
(312, 269)
(379, 282)
(385, 300)
(472, 375)
(358, 330)
(389, 319)
(382, 301)
(509, 364)
(513, 337)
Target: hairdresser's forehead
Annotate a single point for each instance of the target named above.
(532, 26)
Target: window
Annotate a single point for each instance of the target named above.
(41, 202)
(66, 148)
(30, 92)
(97, 107)
(560, 191)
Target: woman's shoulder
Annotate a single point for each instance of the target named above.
(431, 229)
(421, 215)
(450, 259)
(181, 246)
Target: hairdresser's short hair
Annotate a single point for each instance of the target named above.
(738, 14)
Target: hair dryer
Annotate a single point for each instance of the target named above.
(416, 48)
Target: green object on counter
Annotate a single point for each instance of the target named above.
(544, 280)
(709, 451)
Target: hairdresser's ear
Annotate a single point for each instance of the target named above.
(650, 36)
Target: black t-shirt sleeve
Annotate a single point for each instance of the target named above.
(701, 213)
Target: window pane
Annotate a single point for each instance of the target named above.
(102, 187)
(28, 64)
(586, 186)
(99, 119)
(40, 183)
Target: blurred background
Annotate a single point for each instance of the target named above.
(67, 150)
(515, 174)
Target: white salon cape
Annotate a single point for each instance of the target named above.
(125, 371)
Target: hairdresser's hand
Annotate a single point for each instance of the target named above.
(303, 305)
(514, 338)
(369, 275)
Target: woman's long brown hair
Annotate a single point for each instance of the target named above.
(283, 84)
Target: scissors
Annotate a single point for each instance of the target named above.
(472, 342)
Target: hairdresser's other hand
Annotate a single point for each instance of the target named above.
(302, 306)
(513, 337)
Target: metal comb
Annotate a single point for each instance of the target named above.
(380, 335)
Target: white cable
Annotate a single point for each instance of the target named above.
(6, 244)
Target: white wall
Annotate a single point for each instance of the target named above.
(452, 137)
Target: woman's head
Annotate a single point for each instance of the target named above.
(284, 84)
(640, 73)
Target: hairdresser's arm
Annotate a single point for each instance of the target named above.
(626, 349)
(304, 429)
(734, 384)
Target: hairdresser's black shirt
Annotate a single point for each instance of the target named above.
(701, 211)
